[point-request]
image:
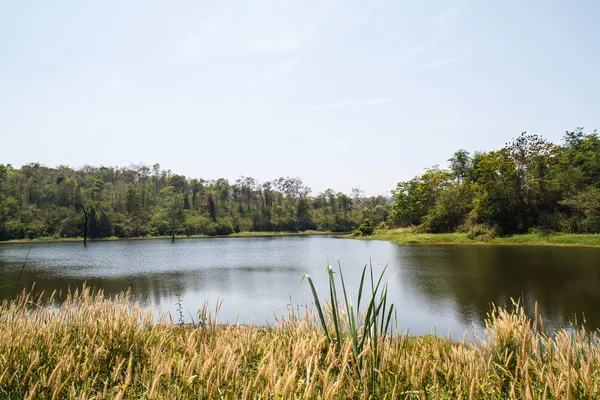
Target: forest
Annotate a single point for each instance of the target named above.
(137, 201)
(528, 185)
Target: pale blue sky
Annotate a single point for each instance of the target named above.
(341, 93)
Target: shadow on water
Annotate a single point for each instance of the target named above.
(565, 281)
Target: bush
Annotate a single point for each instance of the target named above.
(36, 229)
(366, 228)
(337, 224)
(199, 225)
(483, 232)
(157, 227)
(591, 224)
(224, 226)
(243, 224)
(14, 230)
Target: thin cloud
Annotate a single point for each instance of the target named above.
(289, 43)
(249, 28)
(378, 66)
(274, 72)
(445, 61)
(448, 15)
(286, 39)
(355, 103)
(425, 47)
(355, 20)
(441, 22)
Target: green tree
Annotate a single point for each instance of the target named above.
(366, 228)
(416, 197)
(460, 165)
(172, 202)
(303, 214)
(345, 203)
(495, 188)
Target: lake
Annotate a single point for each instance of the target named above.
(446, 287)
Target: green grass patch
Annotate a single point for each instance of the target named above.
(408, 236)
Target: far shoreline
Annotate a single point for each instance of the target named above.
(182, 237)
(396, 236)
(406, 237)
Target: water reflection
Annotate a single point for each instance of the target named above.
(564, 281)
(450, 286)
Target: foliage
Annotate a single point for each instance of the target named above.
(38, 201)
(366, 228)
(482, 232)
(529, 183)
(415, 198)
(364, 330)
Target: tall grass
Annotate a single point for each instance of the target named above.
(91, 347)
(363, 330)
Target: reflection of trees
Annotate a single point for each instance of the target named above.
(152, 287)
(146, 288)
(564, 281)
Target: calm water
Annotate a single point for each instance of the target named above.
(449, 287)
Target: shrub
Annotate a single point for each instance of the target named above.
(36, 229)
(483, 232)
(14, 230)
(366, 228)
(224, 226)
(243, 224)
(199, 225)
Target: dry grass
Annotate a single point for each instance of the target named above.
(90, 347)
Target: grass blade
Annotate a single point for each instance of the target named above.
(317, 304)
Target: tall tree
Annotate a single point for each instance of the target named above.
(172, 203)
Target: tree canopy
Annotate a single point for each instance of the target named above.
(140, 200)
(530, 183)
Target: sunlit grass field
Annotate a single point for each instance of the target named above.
(409, 236)
(91, 347)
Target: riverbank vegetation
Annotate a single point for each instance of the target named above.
(46, 239)
(414, 236)
(138, 201)
(529, 186)
(93, 347)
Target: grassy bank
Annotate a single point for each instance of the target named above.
(47, 239)
(408, 236)
(95, 348)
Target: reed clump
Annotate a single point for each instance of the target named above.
(91, 347)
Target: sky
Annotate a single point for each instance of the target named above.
(340, 93)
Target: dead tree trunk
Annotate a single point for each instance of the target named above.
(173, 220)
(85, 223)
(172, 230)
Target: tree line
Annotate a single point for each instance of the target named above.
(529, 184)
(140, 200)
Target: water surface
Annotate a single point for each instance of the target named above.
(449, 287)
